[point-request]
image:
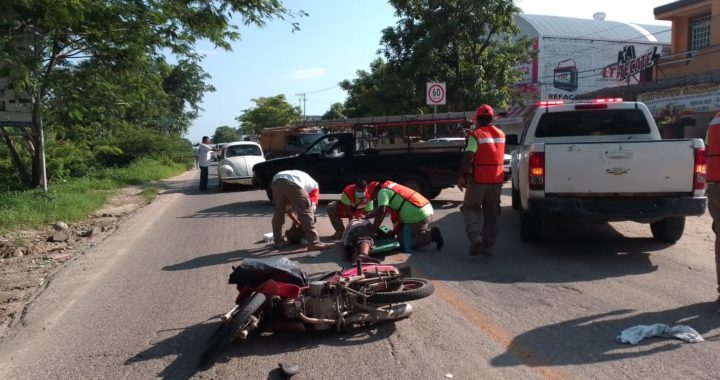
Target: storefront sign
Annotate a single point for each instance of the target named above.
(678, 101)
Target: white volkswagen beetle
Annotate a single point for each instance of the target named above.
(237, 162)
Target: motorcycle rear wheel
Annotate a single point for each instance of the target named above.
(403, 290)
(226, 333)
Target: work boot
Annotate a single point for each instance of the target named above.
(337, 235)
(281, 244)
(319, 246)
(436, 237)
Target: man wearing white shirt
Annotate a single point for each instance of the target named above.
(204, 160)
(296, 190)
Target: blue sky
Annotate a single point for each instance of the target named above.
(338, 38)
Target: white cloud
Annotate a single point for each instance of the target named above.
(305, 74)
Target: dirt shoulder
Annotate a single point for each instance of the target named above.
(29, 258)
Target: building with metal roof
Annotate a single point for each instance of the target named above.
(573, 56)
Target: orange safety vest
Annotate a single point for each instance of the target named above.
(408, 195)
(712, 151)
(349, 191)
(489, 156)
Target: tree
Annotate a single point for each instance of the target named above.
(382, 91)
(268, 112)
(336, 111)
(38, 37)
(464, 43)
(225, 134)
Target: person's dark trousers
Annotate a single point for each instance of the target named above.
(204, 178)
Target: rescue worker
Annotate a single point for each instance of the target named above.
(413, 210)
(295, 190)
(355, 202)
(481, 172)
(713, 188)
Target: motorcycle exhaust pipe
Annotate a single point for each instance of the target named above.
(394, 312)
(400, 311)
(307, 319)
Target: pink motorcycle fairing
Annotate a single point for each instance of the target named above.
(272, 288)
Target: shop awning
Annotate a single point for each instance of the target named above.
(514, 115)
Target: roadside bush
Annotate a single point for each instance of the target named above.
(66, 159)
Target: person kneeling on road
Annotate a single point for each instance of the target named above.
(297, 189)
(413, 210)
(355, 202)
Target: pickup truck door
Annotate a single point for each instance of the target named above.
(328, 161)
(661, 166)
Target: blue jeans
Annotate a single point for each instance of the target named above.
(204, 178)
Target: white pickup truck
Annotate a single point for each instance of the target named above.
(604, 160)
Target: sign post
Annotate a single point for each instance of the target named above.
(435, 96)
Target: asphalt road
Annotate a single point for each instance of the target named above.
(142, 303)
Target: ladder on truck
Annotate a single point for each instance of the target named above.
(387, 121)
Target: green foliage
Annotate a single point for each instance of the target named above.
(382, 91)
(464, 43)
(268, 112)
(336, 111)
(74, 199)
(225, 134)
(150, 193)
(94, 67)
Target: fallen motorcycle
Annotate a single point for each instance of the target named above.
(276, 291)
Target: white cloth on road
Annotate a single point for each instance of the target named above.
(637, 333)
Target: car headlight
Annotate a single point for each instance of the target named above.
(227, 171)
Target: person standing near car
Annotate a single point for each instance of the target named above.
(355, 202)
(295, 190)
(713, 188)
(482, 173)
(204, 153)
(412, 209)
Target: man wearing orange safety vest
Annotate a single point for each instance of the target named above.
(481, 172)
(412, 210)
(712, 178)
(355, 202)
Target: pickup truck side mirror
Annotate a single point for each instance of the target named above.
(511, 139)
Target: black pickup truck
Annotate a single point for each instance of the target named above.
(338, 159)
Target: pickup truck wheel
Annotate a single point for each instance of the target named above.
(668, 230)
(416, 183)
(515, 198)
(530, 227)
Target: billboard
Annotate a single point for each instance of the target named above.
(569, 67)
(674, 103)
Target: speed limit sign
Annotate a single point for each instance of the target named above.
(435, 94)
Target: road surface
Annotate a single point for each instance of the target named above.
(142, 303)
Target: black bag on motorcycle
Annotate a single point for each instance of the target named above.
(255, 271)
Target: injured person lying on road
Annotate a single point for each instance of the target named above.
(358, 239)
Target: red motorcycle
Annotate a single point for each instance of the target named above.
(277, 292)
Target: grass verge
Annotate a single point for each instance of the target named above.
(76, 199)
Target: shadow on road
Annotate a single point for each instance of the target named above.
(187, 345)
(591, 339)
(569, 252)
(293, 252)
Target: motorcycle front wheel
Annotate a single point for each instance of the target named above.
(226, 333)
(403, 290)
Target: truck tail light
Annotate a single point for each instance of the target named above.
(546, 103)
(700, 169)
(537, 171)
(608, 100)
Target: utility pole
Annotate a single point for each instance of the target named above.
(303, 95)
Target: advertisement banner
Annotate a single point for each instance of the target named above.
(570, 67)
(678, 101)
